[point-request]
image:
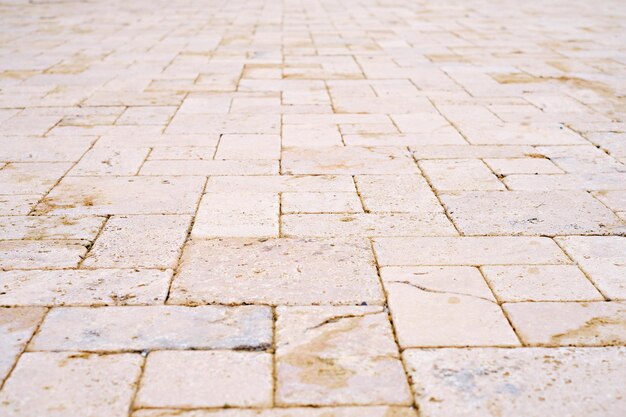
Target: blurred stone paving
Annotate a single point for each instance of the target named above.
(312, 208)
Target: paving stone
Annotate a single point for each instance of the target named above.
(503, 250)
(76, 384)
(346, 160)
(37, 149)
(460, 174)
(204, 167)
(444, 306)
(372, 411)
(154, 327)
(244, 147)
(282, 183)
(38, 254)
(307, 271)
(237, 215)
(320, 203)
(603, 259)
(17, 205)
(367, 225)
(123, 195)
(206, 379)
(84, 287)
(573, 182)
(530, 213)
(615, 200)
(217, 123)
(17, 326)
(471, 152)
(519, 134)
(565, 324)
(110, 161)
(35, 178)
(528, 381)
(337, 355)
(540, 283)
(182, 153)
(507, 166)
(397, 194)
(139, 242)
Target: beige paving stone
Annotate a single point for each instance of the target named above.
(84, 287)
(448, 136)
(397, 194)
(282, 183)
(110, 161)
(123, 195)
(182, 153)
(210, 167)
(131, 328)
(511, 382)
(17, 326)
(460, 174)
(37, 254)
(139, 242)
(245, 147)
(573, 182)
(206, 379)
(50, 227)
(540, 283)
(603, 259)
(277, 271)
(567, 324)
(424, 122)
(519, 134)
(346, 160)
(337, 355)
(497, 250)
(320, 203)
(615, 200)
(311, 136)
(37, 149)
(507, 166)
(232, 123)
(237, 215)
(158, 140)
(17, 205)
(470, 152)
(530, 213)
(371, 411)
(146, 115)
(31, 178)
(581, 159)
(66, 383)
(367, 225)
(444, 306)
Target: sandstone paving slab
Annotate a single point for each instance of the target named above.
(35, 178)
(483, 250)
(397, 194)
(370, 411)
(38, 254)
(530, 213)
(540, 283)
(575, 182)
(243, 147)
(519, 134)
(154, 327)
(191, 379)
(218, 123)
(277, 271)
(367, 224)
(443, 136)
(84, 287)
(50, 227)
(210, 167)
(347, 160)
(566, 324)
(308, 202)
(182, 153)
(603, 259)
(471, 151)
(139, 242)
(508, 166)
(17, 205)
(281, 183)
(58, 384)
(237, 215)
(37, 149)
(444, 306)
(123, 195)
(156, 141)
(460, 174)
(521, 381)
(337, 355)
(110, 161)
(615, 200)
(17, 326)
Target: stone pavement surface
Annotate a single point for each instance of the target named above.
(312, 208)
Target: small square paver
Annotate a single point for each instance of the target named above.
(540, 283)
(155, 327)
(194, 379)
(17, 326)
(569, 323)
(61, 384)
(444, 306)
(277, 271)
(494, 382)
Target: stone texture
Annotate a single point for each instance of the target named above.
(277, 271)
(17, 326)
(49, 227)
(373, 411)
(498, 382)
(38, 254)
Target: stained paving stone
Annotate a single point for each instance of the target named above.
(337, 355)
(567, 324)
(134, 328)
(84, 287)
(17, 326)
(530, 213)
(66, 383)
(49, 227)
(191, 379)
(529, 381)
(31, 178)
(277, 271)
(540, 283)
(444, 306)
(139, 242)
(17, 205)
(38, 254)
(373, 411)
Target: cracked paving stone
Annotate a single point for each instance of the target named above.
(277, 271)
(133, 328)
